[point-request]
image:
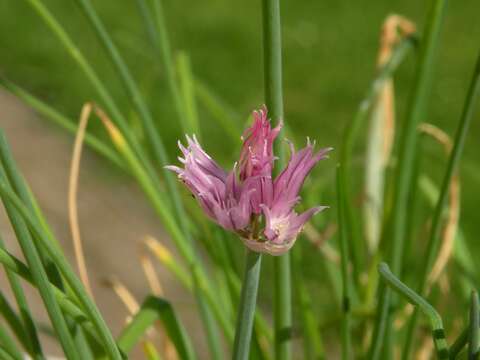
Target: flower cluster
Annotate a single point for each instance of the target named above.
(248, 200)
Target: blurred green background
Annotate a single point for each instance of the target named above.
(330, 50)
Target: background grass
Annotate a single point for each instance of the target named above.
(329, 59)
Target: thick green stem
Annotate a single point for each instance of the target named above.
(272, 45)
(407, 149)
(246, 309)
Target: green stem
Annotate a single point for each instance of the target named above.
(148, 22)
(438, 332)
(346, 337)
(272, 46)
(407, 147)
(246, 308)
(459, 343)
(453, 161)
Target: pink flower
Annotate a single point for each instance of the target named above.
(256, 157)
(258, 208)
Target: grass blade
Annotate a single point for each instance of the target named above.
(156, 309)
(164, 51)
(187, 88)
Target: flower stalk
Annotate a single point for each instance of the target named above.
(246, 309)
(272, 50)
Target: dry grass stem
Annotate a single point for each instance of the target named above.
(450, 228)
(72, 197)
(150, 273)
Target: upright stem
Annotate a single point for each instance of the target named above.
(407, 150)
(246, 309)
(344, 251)
(272, 45)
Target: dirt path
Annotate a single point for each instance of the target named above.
(114, 215)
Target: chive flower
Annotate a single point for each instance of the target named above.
(248, 200)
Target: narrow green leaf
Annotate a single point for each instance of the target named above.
(155, 309)
(436, 324)
(187, 89)
(165, 54)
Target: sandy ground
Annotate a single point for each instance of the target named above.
(114, 215)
